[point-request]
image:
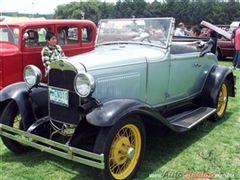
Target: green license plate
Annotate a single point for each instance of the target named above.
(58, 96)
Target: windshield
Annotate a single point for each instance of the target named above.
(9, 34)
(151, 30)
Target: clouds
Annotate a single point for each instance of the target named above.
(31, 6)
(38, 6)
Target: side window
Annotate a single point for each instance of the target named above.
(35, 37)
(67, 35)
(9, 35)
(86, 34)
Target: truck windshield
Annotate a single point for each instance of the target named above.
(9, 34)
(146, 30)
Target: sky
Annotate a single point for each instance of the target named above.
(31, 6)
(35, 6)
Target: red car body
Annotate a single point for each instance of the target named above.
(225, 48)
(15, 53)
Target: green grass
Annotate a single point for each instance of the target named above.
(210, 147)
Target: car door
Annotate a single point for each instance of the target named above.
(186, 75)
(157, 82)
(225, 48)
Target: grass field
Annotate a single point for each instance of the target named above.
(210, 147)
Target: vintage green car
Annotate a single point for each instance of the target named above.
(95, 106)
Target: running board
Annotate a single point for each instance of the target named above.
(190, 118)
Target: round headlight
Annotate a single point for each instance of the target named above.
(84, 84)
(32, 75)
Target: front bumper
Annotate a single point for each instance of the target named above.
(52, 147)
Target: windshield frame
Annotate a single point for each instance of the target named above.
(165, 46)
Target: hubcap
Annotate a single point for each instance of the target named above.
(125, 151)
(131, 152)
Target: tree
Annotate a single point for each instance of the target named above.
(191, 12)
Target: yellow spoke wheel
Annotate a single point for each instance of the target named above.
(125, 151)
(222, 100)
(123, 146)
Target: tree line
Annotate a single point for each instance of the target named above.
(188, 11)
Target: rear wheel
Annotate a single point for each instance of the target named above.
(123, 147)
(12, 118)
(221, 102)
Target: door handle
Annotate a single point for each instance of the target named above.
(197, 65)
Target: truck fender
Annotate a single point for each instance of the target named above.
(112, 111)
(216, 77)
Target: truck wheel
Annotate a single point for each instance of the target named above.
(221, 102)
(123, 147)
(11, 117)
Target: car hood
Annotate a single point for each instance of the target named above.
(7, 49)
(117, 55)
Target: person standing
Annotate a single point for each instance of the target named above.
(236, 38)
(180, 30)
(42, 35)
(51, 52)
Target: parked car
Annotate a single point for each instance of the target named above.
(225, 47)
(21, 43)
(95, 106)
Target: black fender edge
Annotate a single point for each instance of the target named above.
(216, 77)
(23, 97)
(112, 111)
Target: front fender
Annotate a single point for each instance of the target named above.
(19, 92)
(14, 91)
(110, 112)
(31, 103)
(214, 81)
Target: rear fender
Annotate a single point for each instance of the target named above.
(213, 84)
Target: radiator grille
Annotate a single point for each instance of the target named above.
(64, 80)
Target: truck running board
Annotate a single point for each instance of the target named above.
(191, 118)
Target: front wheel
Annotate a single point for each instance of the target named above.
(12, 118)
(221, 102)
(123, 147)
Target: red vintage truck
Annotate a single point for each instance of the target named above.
(21, 43)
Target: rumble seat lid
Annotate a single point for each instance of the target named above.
(217, 29)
